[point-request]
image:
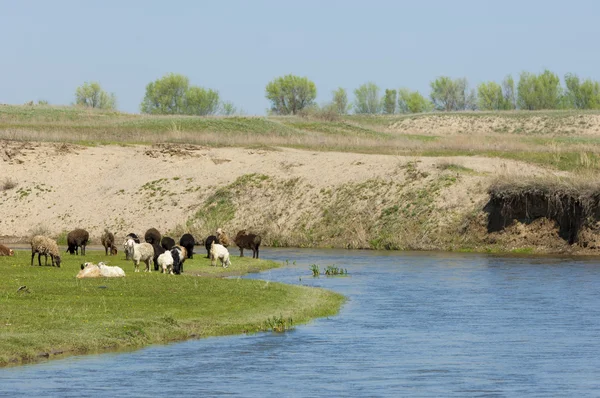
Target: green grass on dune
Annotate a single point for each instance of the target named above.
(57, 313)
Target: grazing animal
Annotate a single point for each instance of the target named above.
(208, 242)
(223, 238)
(166, 261)
(218, 251)
(108, 241)
(179, 255)
(152, 236)
(140, 252)
(5, 251)
(158, 250)
(167, 242)
(44, 246)
(77, 238)
(244, 240)
(188, 241)
(135, 238)
(91, 270)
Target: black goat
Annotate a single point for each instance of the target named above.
(76, 238)
(208, 242)
(188, 241)
(167, 243)
(133, 236)
(158, 250)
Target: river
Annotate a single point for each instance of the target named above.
(415, 324)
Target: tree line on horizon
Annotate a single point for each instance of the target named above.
(172, 94)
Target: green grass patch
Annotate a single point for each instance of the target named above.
(57, 313)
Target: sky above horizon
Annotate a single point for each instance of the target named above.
(236, 47)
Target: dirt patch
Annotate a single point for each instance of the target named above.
(470, 124)
(175, 150)
(16, 152)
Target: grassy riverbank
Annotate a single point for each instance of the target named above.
(565, 140)
(57, 314)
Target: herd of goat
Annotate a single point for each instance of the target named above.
(165, 254)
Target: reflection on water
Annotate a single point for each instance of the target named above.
(416, 324)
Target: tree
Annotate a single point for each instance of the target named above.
(200, 101)
(166, 96)
(340, 101)
(412, 102)
(549, 90)
(508, 91)
(389, 101)
(452, 95)
(367, 99)
(173, 95)
(290, 94)
(91, 95)
(228, 108)
(526, 95)
(490, 97)
(539, 91)
(581, 95)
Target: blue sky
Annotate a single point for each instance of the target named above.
(236, 47)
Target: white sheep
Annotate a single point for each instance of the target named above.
(91, 270)
(165, 262)
(219, 251)
(44, 246)
(140, 252)
(110, 271)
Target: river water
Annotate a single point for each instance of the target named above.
(415, 324)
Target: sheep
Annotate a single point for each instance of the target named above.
(179, 255)
(135, 238)
(75, 238)
(219, 251)
(244, 240)
(152, 236)
(223, 238)
(208, 242)
(167, 242)
(158, 250)
(108, 241)
(165, 261)
(188, 241)
(110, 271)
(140, 252)
(90, 270)
(43, 245)
(5, 251)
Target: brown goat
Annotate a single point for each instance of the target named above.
(108, 241)
(247, 241)
(5, 251)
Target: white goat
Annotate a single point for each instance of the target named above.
(110, 271)
(91, 270)
(220, 252)
(140, 252)
(165, 262)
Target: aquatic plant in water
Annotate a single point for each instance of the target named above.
(315, 270)
(333, 270)
(278, 324)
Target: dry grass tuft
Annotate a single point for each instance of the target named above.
(7, 184)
